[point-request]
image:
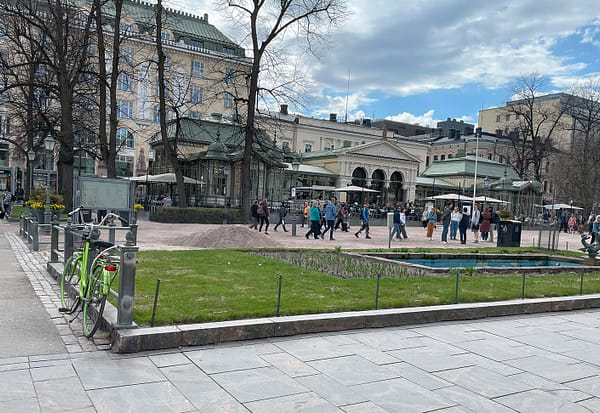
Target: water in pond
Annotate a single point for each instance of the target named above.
(478, 262)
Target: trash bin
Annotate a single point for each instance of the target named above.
(509, 234)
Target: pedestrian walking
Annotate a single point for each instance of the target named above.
(403, 223)
(314, 215)
(283, 210)
(431, 220)
(396, 221)
(330, 214)
(263, 214)
(364, 220)
(463, 225)
(254, 214)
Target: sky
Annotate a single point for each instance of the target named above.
(422, 61)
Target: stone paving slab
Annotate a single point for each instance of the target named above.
(391, 368)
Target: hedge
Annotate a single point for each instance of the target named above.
(196, 215)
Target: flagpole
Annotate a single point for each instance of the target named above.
(477, 133)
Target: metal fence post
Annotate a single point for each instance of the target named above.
(68, 232)
(54, 243)
(111, 233)
(133, 229)
(35, 236)
(126, 286)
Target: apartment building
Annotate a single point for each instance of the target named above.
(203, 71)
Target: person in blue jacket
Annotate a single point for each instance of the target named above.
(330, 214)
(364, 219)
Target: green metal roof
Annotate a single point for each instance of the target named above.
(225, 136)
(465, 166)
(183, 25)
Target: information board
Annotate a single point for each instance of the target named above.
(104, 193)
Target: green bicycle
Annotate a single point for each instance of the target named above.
(88, 274)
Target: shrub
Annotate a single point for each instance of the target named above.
(196, 215)
(37, 199)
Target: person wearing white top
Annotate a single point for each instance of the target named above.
(455, 218)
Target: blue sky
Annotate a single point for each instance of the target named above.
(421, 61)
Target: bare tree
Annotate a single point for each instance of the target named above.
(538, 125)
(267, 24)
(576, 174)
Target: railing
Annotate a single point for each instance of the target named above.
(127, 253)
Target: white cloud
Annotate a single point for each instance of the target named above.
(425, 119)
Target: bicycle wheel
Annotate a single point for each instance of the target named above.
(93, 303)
(69, 282)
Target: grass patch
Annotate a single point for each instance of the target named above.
(216, 285)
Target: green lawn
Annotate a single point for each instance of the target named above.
(214, 285)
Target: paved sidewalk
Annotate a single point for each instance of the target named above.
(538, 363)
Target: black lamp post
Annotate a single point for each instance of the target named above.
(30, 159)
(295, 168)
(49, 146)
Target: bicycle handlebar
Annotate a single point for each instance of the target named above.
(109, 215)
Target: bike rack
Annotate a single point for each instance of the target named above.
(127, 251)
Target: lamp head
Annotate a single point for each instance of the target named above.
(49, 142)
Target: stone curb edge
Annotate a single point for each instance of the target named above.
(157, 338)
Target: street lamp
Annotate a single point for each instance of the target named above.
(295, 168)
(30, 158)
(486, 184)
(49, 146)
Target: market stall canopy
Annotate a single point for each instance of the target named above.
(353, 188)
(561, 206)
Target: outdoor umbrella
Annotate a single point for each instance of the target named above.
(353, 188)
(483, 198)
(452, 197)
(169, 178)
(561, 206)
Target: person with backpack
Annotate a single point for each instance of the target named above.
(364, 219)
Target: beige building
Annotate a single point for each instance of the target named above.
(203, 72)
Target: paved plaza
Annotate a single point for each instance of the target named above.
(536, 363)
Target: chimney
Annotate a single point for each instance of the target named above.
(333, 117)
(283, 109)
(205, 17)
(367, 122)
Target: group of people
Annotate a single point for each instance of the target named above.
(456, 222)
(328, 218)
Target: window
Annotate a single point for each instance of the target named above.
(157, 90)
(346, 144)
(197, 69)
(229, 78)
(227, 100)
(124, 109)
(285, 145)
(307, 147)
(195, 115)
(443, 157)
(126, 28)
(196, 43)
(126, 55)
(229, 51)
(4, 125)
(125, 82)
(517, 116)
(124, 138)
(165, 36)
(507, 118)
(489, 156)
(155, 115)
(497, 118)
(195, 94)
(435, 157)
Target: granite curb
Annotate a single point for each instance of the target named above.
(164, 337)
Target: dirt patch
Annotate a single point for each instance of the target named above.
(230, 236)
